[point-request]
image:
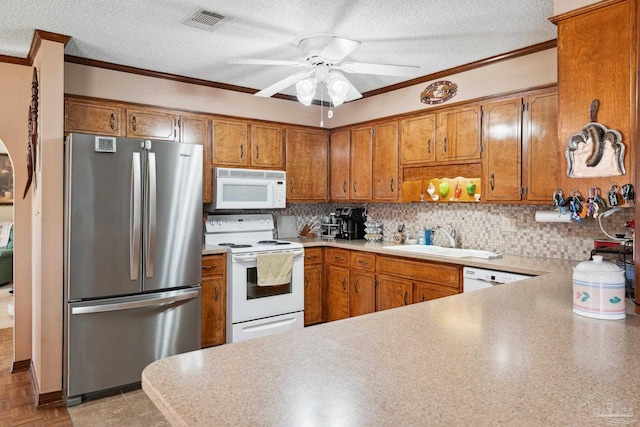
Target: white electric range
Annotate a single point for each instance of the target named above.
(254, 311)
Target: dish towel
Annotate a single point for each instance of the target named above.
(5, 232)
(274, 269)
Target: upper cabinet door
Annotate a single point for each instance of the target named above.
(339, 154)
(84, 117)
(385, 161)
(307, 161)
(361, 163)
(195, 130)
(418, 139)
(540, 135)
(152, 124)
(230, 143)
(267, 146)
(502, 136)
(459, 134)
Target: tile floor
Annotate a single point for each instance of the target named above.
(132, 408)
(129, 409)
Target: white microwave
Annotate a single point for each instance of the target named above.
(249, 189)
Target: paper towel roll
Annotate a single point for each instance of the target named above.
(552, 216)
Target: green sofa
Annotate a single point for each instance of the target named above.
(6, 261)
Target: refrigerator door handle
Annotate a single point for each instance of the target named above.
(151, 225)
(134, 217)
(147, 302)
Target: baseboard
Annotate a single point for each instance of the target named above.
(52, 398)
(20, 365)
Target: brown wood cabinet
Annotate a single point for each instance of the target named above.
(91, 117)
(194, 129)
(152, 124)
(418, 139)
(362, 288)
(307, 164)
(230, 143)
(385, 161)
(426, 291)
(519, 162)
(502, 139)
(214, 301)
(267, 146)
(459, 134)
(598, 61)
(339, 160)
(337, 283)
(313, 286)
(393, 292)
(361, 163)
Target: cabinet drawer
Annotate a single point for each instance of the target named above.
(312, 256)
(338, 256)
(213, 265)
(440, 274)
(363, 260)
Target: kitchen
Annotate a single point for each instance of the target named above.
(538, 69)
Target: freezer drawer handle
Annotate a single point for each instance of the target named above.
(134, 216)
(103, 308)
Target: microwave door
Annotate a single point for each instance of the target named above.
(244, 194)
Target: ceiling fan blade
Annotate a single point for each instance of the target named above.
(379, 69)
(283, 84)
(257, 61)
(353, 92)
(338, 48)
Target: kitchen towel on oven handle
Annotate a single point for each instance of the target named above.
(274, 269)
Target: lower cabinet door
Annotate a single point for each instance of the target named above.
(393, 292)
(362, 294)
(213, 311)
(338, 293)
(313, 295)
(427, 291)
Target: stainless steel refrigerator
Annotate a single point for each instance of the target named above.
(133, 253)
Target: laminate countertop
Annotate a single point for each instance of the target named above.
(514, 354)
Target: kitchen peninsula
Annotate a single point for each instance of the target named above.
(513, 354)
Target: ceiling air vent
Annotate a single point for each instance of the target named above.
(205, 20)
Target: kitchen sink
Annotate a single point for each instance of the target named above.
(444, 251)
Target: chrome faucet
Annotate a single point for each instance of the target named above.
(450, 234)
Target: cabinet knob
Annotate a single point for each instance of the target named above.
(354, 186)
(306, 280)
(134, 123)
(112, 121)
(391, 185)
(344, 283)
(444, 144)
(429, 146)
(492, 182)
(405, 297)
(344, 187)
(209, 267)
(217, 294)
(311, 257)
(363, 262)
(241, 151)
(356, 286)
(257, 152)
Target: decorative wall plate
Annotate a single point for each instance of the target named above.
(439, 92)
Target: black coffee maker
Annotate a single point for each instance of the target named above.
(351, 222)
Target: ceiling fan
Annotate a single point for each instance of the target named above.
(323, 54)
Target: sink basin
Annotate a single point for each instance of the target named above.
(444, 252)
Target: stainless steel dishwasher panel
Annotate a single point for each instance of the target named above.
(110, 341)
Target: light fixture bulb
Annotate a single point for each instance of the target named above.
(338, 87)
(306, 89)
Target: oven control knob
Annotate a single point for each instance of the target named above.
(219, 222)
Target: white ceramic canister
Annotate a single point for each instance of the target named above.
(599, 289)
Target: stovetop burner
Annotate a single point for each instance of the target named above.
(226, 244)
(282, 243)
(240, 246)
(268, 241)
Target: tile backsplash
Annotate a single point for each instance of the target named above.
(480, 226)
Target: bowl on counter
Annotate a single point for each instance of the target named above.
(411, 241)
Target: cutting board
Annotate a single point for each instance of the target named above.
(287, 226)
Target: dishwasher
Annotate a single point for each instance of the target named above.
(480, 278)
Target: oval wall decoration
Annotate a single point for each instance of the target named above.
(439, 92)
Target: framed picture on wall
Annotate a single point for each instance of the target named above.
(6, 180)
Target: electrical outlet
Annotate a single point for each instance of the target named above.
(508, 224)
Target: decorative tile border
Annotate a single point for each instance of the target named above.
(480, 226)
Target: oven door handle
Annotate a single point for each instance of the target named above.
(253, 257)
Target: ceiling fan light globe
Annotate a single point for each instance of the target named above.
(338, 88)
(305, 90)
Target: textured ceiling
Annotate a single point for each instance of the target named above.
(432, 34)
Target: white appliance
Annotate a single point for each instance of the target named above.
(255, 311)
(480, 278)
(249, 189)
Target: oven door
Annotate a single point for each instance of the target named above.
(248, 301)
